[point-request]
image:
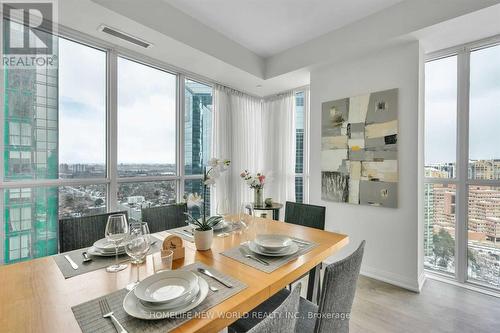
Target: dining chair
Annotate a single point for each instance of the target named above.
(309, 216)
(79, 232)
(306, 215)
(282, 319)
(334, 310)
(165, 217)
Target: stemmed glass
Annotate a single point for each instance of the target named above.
(143, 229)
(137, 247)
(116, 232)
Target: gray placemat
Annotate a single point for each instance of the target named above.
(88, 314)
(274, 262)
(96, 263)
(186, 232)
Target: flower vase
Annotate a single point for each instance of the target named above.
(258, 197)
(203, 239)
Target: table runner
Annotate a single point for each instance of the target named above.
(96, 263)
(88, 314)
(274, 262)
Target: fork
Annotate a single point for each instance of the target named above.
(107, 313)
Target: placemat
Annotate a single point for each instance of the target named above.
(274, 262)
(96, 263)
(88, 314)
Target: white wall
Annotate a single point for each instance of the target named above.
(392, 235)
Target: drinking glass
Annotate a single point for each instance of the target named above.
(163, 260)
(244, 218)
(222, 207)
(137, 247)
(143, 229)
(116, 232)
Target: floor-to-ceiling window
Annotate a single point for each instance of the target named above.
(301, 109)
(462, 164)
(101, 133)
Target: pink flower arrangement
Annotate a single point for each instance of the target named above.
(253, 181)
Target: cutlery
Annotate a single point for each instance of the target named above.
(300, 242)
(71, 262)
(86, 257)
(188, 231)
(107, 313)
(208, 273)
(184, 233)
(249, 256)
(214, 289)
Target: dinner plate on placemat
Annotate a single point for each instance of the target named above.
(291, 249)
(135, 308)
(167, 286)
(273, 243)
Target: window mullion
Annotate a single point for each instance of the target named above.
(462, 165)
(180, 106)
(112, 130)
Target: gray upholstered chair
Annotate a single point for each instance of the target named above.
(79, 232)
(339, 287)
(282, 318)
(165, 217)
(306, 215)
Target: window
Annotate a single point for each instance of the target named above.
(462, 165)
(146, 120)
(63, 158)
(300, 116)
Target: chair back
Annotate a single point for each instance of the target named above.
(306, 215)
(339, 287)
(282, 318)
(79, 232)
(165, 217)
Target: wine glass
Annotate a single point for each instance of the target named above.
(116, 232)
(143, 229)
(137, 247)
(244, 217)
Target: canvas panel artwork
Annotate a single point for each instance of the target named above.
(359, 149)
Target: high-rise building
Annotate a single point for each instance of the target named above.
(299, 146)
(30, 215)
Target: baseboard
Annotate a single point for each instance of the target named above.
(394, 279)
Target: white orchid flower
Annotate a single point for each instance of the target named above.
(194, 200)
(213, 162)
(209, 181)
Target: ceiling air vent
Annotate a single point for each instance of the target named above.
(131, 39)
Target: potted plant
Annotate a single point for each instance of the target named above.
(203, 231)
(255, 182)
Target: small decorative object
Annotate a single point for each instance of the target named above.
(174, 243)
(359, 149)
(255, 182)
(268, 202)
(203, 232)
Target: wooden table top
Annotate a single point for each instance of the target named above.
(35, 297)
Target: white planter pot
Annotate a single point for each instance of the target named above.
(203, 239)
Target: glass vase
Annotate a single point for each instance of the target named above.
(258, 197)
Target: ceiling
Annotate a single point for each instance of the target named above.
(268, 27)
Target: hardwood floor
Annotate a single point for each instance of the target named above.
(440, 307)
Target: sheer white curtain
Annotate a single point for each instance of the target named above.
(256, 135)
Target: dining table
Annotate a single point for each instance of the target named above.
(35, 296)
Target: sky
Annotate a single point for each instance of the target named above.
(440, 107)
(146, 109)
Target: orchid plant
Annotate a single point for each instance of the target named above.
(256, 181)
(210, 174)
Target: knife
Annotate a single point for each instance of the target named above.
(208, 273)
(246, 254)
(188, 231)
(184, 233)
(71, 262)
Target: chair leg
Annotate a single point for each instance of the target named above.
(313, 284)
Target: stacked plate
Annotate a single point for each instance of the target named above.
(273, 245)
(165, 294)
(105, 248)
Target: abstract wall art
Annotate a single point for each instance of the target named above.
(359, 149)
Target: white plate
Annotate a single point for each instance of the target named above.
(292, 249)
(93, 251)
(106, 246)
(188, 298)
(166, 286)
(273, 243)
(133, 306)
